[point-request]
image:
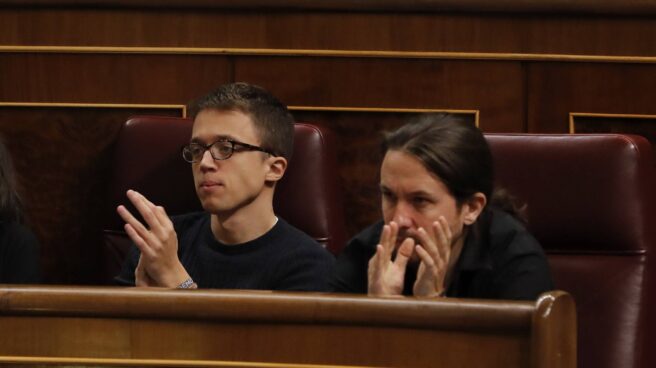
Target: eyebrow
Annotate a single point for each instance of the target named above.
(414, 193)
(216, 138)
(421, 193)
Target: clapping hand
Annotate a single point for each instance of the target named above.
(385, 277)
(434, 252)
(159, 264)
(433, 248)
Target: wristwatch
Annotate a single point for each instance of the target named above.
(188, 284)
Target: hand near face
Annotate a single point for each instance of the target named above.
(385, 277)
(434, 253)
(158, 264)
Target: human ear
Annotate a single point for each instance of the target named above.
(473, 207)
(276, 168)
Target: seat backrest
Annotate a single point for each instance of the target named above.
(591, 208)
(148, 159)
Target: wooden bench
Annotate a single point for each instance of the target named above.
(159, 327)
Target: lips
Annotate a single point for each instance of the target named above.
(208, 184)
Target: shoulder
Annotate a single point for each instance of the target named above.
(19, 254)
(299, 262)
(367, 238)
(507, 234)
(18, 235)
(363, 245)
(518, 265)
(350, 274)
(293, 240)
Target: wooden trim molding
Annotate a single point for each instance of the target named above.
(331, 53)
(182, 108)
(610, 7)
(574, 115)
(394, 110)
(157, 363)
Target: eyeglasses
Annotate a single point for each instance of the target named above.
(220, 150)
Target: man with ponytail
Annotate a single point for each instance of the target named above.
(444, 233)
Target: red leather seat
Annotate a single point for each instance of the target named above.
(590, 204)
(148, 159)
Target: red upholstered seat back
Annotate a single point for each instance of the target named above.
(148, 159)
(591, 207)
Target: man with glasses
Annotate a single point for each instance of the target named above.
(241, 142)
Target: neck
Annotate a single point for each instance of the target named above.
(243, 224)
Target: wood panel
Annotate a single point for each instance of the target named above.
(114, 78)
(331, 29)
(558, 89)
(133, 326)
(496, 89)
(63, 157)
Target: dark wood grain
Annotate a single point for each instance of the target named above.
(63, 158)
(558, 89)
(493, 88)
(501, 32)
(114, 78)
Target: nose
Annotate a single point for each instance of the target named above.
(403, 215)
(207, 162)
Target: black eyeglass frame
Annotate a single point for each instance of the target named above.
(233, 146)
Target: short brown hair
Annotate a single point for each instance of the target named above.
(273, 122)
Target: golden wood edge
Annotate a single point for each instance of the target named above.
(296, 308)
(476, 113)
(581, 7)
(329, 53)
(159, 362)
(574, 115)
(183, 108)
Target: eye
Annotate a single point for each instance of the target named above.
(387, 195)
(196, 150)
(420, 201)
(222, 149)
